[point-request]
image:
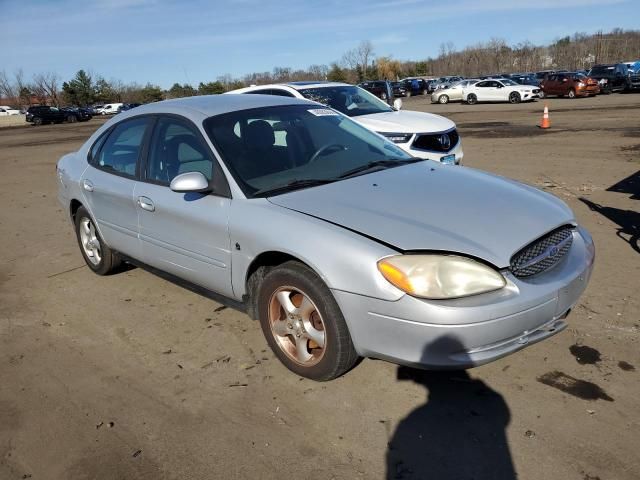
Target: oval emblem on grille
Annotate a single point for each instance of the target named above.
(444, 141)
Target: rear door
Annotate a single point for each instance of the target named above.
(185, 234)
(109, 181)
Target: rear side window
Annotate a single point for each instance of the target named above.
(121, 149)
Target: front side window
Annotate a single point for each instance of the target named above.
(121, 149)
(349, 100)
(176, 148)
(273, 147)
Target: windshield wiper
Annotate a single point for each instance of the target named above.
(378, 165)
(294, 185)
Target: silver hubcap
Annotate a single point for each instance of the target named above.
(297, 326)
(89, 241)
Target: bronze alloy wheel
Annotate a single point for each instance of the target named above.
(297, 326)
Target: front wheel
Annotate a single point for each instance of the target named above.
(303, 324)
(98, 256)
(383, 96)
(72, 119)
(37, 121)
(443, 99)
(472, 99)
(514, 97)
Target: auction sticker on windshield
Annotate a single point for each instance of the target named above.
(322, 112)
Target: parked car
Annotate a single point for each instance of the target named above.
(6, 111)
(423, 135)
(571, 85)
(525, 79)
(615, 77)
(44, 114)
(505, 90)
(399, 89)
(108, 109)
(415, 86)
(338, 242)
(77, 114)
(443, 82)
(376, 87)
(452, 93)
(128, 106)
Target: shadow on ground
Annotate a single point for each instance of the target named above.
(458, 433)
(627, 220)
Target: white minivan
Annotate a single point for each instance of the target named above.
(109, 109)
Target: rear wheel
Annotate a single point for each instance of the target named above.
(98, 256)
(540, 94)
(472, 99)
(443, 99)
(383, 96)
(572, 93)
(72, 119)
(303, 324)
(514, 97)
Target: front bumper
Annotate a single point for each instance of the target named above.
(475, 330)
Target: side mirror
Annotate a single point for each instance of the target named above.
(190, 182)
(397, 104)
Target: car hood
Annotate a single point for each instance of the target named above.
(429, 206)
(405, 121)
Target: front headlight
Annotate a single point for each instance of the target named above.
(439, 277)
(397, 137)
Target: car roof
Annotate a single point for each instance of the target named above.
(209, 105)
(303, 85)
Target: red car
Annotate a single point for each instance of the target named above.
(569, 84)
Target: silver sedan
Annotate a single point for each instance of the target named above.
(452, 93)
(336, 240)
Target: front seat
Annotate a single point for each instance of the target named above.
(262, 156)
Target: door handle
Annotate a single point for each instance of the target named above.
(87, 185)
(146, 204)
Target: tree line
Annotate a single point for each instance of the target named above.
(578, 51)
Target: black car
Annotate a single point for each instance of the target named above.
(44, 114)
(524, 78)
(415, 86)
(77, 114)
(399, 89)
(127, 106)
(615, 77)
(377, 87)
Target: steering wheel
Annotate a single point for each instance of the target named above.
(325, 149)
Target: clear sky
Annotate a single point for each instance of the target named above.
(167, 41)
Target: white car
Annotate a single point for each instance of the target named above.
(422, 135)
(5, 111)
(109, 109)
(452, 93)
(503, 90)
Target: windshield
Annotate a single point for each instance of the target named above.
(268, 148)
(347, 99)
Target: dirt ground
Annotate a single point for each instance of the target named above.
(133, 377)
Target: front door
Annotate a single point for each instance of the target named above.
(108, 184)
(185, 234)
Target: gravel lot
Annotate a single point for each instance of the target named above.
(130, 376)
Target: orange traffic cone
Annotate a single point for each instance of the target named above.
(545, 118)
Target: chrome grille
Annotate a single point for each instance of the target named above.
(437, 142)
(543, 253)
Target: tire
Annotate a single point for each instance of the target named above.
(98, 256)
(572, 94)
(383, 96)
(72, 119)
(293, 331)
(443, 99)
(514, 97)
(37, 121)
(541, 94)
(472, 99)
(408, 94)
